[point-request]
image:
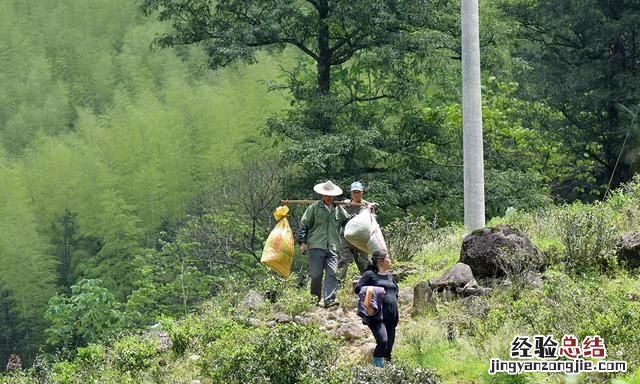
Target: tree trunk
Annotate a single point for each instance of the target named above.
(324, 52)
(472, 118)
(321, 120)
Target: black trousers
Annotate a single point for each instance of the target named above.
(385, 335)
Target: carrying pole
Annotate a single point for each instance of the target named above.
(286, 202)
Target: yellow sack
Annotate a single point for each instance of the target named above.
(278, 249)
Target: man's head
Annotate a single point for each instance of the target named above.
(356, 191)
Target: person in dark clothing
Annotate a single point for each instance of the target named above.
(383, 330)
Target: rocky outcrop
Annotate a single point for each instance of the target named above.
(458, 279)
(628, 247)
(15, 363)
(156, 332)
(500, 251)
(423, 298)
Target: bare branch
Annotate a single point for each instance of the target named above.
(356, 99)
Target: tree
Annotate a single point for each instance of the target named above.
(119, 235)
(330, 33)
(27, 269)
(583, 60)
(357, 86)
(472, 118)
(90, 314)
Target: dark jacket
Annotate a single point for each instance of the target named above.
(390, 299)
(376, 303)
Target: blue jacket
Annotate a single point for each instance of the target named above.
(375, 303)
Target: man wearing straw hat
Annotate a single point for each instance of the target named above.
(319, 235)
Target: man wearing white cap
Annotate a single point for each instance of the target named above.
(347, 252)
(319, 234)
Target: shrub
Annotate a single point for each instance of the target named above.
(588, 235)
(92, 354)
(407, 236)
(503, 378)
(182, 334)
(133, 353)
(294, 301)
(197, 331)
(393, 374)
(625, 202)
(64, 372)
(517, 266)
(290, 352)
(286, 294)
(285, 354)
(16, 377)
(91, 313)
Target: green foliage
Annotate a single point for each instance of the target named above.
(133, 354)
(518, 135)
(627, 380)
(197, 331)
(90, 314)
(503, 378)
(566, 306)
(287, 295)
(207, 252)
(20, 377)
(183, 334)
(393, 374)
(27, 270)
(356, 109)
(524, 158)
(580, 56)
(514, 189)
(101, 139)
(283, 354)
(624, 204)
(427, 349)
(92, 355)
(588, 235)
(407, 236)
(64, 372)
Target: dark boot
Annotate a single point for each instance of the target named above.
(331, 303)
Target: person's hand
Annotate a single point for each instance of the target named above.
(304, 248)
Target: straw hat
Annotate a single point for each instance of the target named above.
(327, 189)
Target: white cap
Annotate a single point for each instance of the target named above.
(357, 186)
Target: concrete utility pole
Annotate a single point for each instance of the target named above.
(472, 118)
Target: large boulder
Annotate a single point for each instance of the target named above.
(629, 249)
(493, 252)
